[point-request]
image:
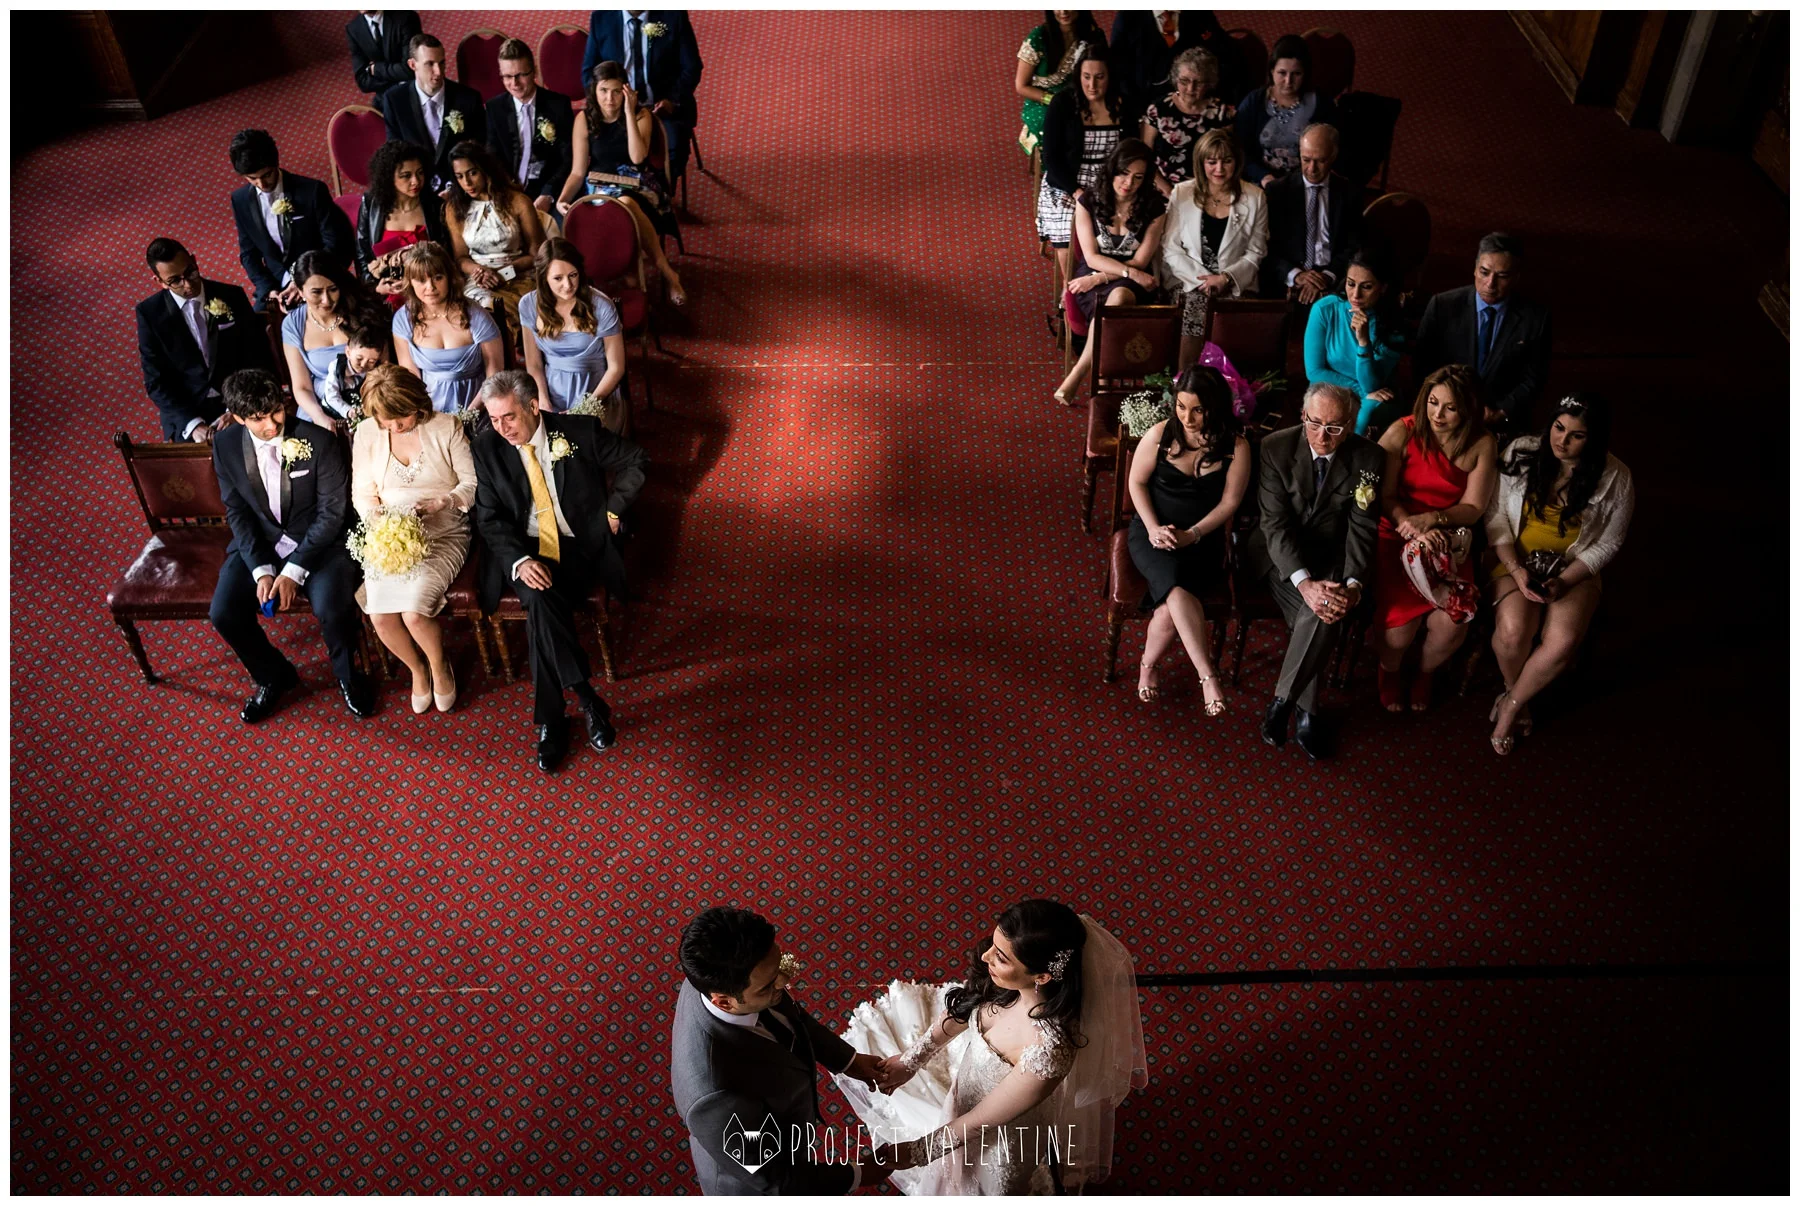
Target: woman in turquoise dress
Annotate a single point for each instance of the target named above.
(574, 345)
(1353, 340)
(448, 341)
(1046, 62)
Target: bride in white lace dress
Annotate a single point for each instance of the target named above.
(1007, 1082)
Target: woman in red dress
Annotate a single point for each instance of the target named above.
(1442, 468)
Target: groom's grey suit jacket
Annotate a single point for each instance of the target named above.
(722, 1073)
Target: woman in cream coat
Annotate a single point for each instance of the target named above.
(1564, 496)
(407, 455)
(1214, 237)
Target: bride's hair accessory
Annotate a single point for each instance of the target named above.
(1059, 963)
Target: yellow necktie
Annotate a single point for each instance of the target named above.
(549, 538)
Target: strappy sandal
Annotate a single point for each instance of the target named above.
(1504, 745)
(1215, 707)
(1150, 693)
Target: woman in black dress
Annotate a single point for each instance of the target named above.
(1188, 477)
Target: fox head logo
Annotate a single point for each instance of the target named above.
(752, 1149)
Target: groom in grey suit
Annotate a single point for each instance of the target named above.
(742, 1065)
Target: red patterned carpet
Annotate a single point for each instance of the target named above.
(861, 692)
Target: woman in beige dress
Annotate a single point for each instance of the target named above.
(406, 455)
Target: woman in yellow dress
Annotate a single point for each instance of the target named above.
(1559, 516)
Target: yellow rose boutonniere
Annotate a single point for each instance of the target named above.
(295, 450)
(218, 309)
(1365, 491)
(655, 29)
(560, 447)
(545, 130)
(283, 207)
(454, 119)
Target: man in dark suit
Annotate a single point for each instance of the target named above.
(430, 111)
(1315, 223)
(1504, 337)
(743, 1065)
(287, 493)
(1319, 495)
(192, 334)
(280, 217)
(662, 65)
(1144, 44)
(378, 42)
(552, 491)
(531, 129)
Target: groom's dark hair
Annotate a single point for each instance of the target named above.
(721, 947)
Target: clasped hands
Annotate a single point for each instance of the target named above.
(1330, 601)
(1413, 527)
(277, 586)
(1553, 589)
(1096, 279)
(1168, 537)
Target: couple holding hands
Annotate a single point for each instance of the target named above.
(1003, 1083)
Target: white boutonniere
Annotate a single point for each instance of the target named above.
(283, 207)
(789, 966)
(216, 308)
(545, 130)
(1365, 491)
(295, 450)
(655, 29)
(454, 119)
(560, 446)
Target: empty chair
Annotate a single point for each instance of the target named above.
(352, 135)
(1333, 61)
(478, 62)
(1400, 225)
(559, 54)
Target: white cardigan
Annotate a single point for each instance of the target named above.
(1240, 251)
(1603, 523)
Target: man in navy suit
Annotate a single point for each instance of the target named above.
(287, 494)
(530, 129)
(431, 111)
(192, 334)
(378, 44)
(1315, 223)
(280, 217)
(662, 65)
(1502, 336)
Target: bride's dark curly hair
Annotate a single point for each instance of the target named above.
(1038, 931)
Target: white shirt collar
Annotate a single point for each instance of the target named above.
(1320, 184)
(425, 97)
(519, 105)
(747, 1020)
(262, 444)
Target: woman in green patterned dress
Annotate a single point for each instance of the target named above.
(1046, 61)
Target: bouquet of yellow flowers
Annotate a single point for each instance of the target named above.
(390, 542)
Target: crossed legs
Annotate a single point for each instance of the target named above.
(1180, 615)
(1528, 671)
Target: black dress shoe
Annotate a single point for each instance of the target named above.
(552, 745)
(1309, 731)
(1275, 722)
(358, 696)
(266, 698)
(601, 735)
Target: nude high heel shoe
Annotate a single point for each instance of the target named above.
(444, 700)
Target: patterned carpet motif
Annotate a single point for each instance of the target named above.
(861, 691)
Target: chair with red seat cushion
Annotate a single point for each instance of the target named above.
(478, 62)
(1333, 62)
(559, 56)
(353, 134)
(605, 234)
(1125, 586)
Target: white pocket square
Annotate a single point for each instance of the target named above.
(298, 473)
